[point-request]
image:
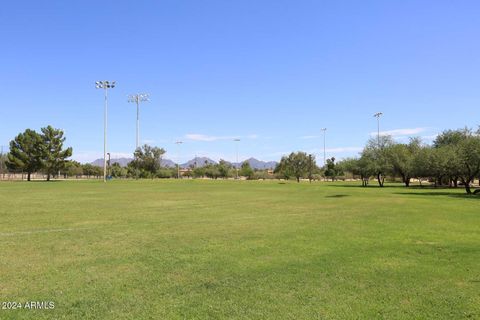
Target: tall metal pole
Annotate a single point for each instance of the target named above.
(137, 98)
(108, 163)
(324, 146)
(105, 137)
(178, 143)
(138, 125)
(105, 85)
(236, 151)
(378, 115)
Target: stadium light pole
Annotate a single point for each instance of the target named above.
(236, 152)
(324, 146)
(378, 115)
(105, 85)
(137, 98)
(178, 143)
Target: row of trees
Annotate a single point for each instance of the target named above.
(452, 159)
(31, 152)
(147, 160)
(300, 165)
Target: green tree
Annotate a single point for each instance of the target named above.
(246, 170)
(224, 168)
(469, 161)
(166, 173)
(376, 159)
(117, 171)
(451, 137)
(54, 156)
(312, 168)
(146, 162)
(92, 171)
(3, 163)
(198, 172)
(282, 169)
(331, 169)
(295, 165)
(401, 158)
(25, 153)
(211, 171)
(73, 169)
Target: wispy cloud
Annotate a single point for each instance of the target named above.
(400, 132)
(208, 138)
(309, 137)
(148, 141)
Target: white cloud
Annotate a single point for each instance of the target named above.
(400, 132)
(148, 141)
(309, 137)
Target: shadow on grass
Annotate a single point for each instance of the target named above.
(338, 196)
(371, 186)
(442, 193)
(38, 181)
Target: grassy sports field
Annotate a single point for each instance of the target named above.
(238, 250)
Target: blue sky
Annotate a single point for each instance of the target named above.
(271, 73)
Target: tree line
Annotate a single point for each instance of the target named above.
(147, 164)
(453, 159)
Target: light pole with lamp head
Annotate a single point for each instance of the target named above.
(324, 146)
(178, 143)
(137, 98)
(236, 152)
(105, 85)
(378, 115)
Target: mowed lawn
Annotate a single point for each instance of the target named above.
(158, 249)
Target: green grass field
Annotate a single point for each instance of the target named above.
(238, 250)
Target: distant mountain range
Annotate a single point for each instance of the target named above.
(121, 161)
(124, 162)
(195, 162)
